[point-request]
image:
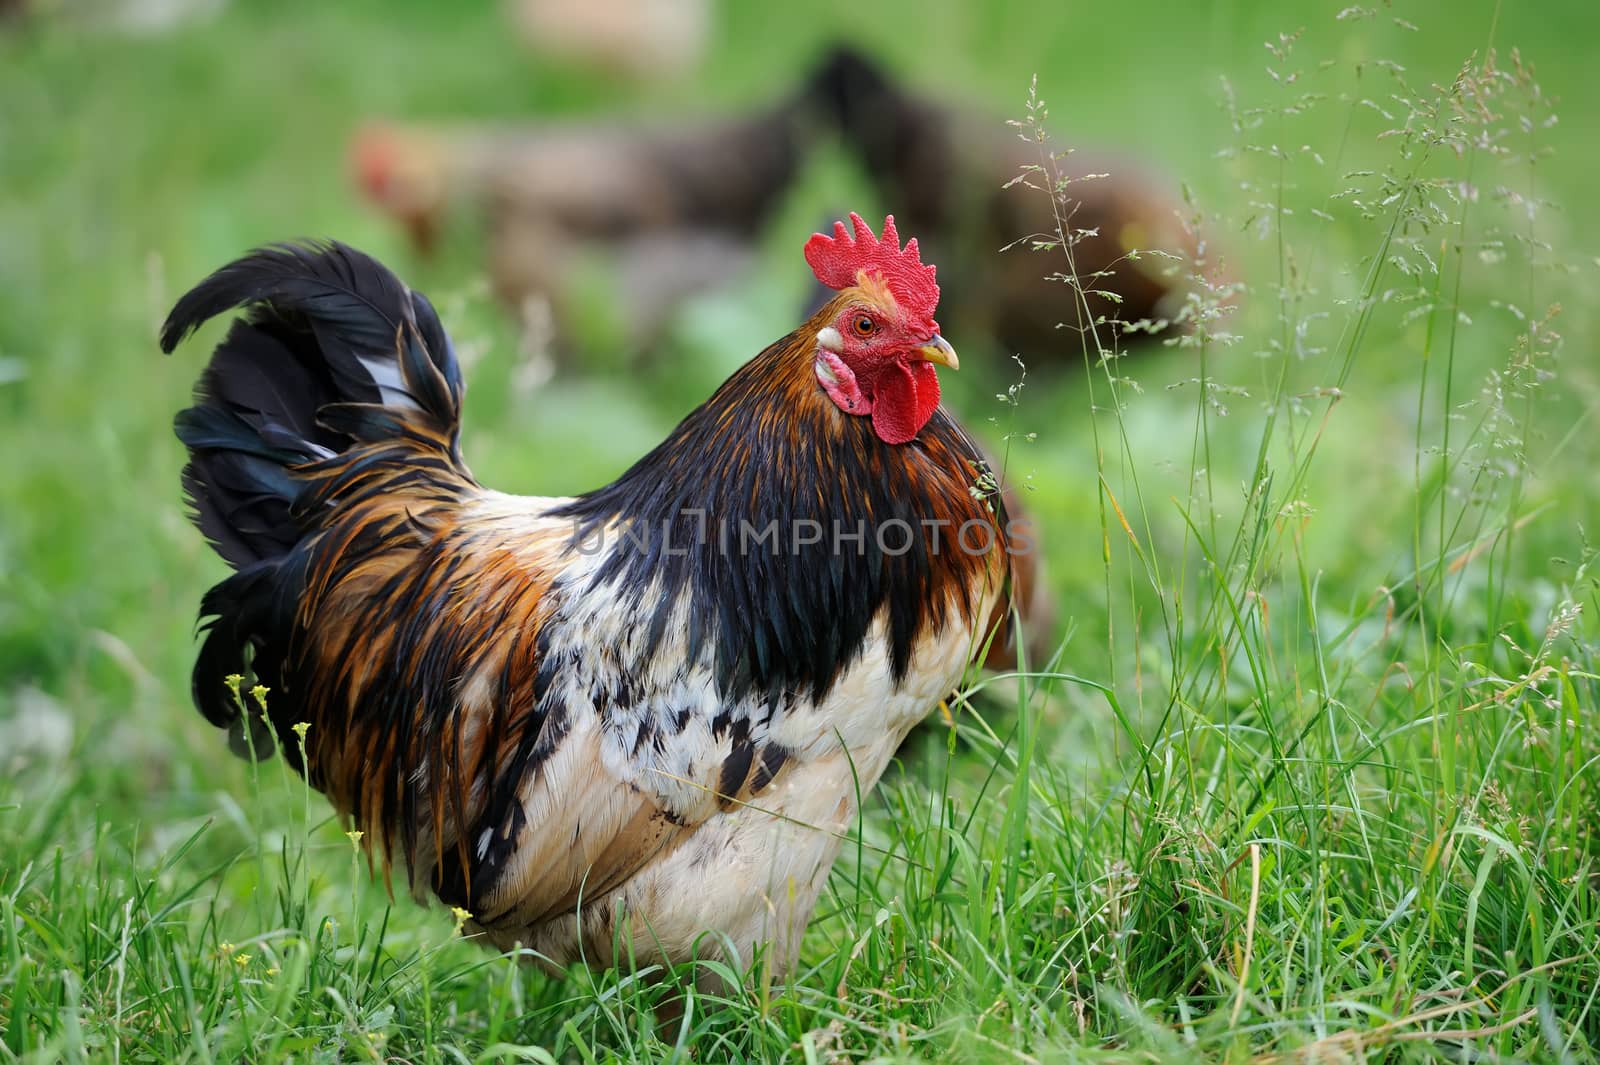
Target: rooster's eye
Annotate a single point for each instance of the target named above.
(865, 326)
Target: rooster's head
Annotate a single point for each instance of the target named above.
(876, 342)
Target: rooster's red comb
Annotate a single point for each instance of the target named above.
(838, 260)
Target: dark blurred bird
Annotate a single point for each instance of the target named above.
(948, 173)
(615, 720)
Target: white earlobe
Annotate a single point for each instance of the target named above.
(828, 339)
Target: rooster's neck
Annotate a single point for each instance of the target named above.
(793, 528)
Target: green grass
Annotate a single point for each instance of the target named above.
(1316, 770)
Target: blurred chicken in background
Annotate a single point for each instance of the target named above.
(676, 209)
(953, 170)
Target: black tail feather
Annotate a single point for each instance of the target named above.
(333, 356)
(353, 306)
(326, 325)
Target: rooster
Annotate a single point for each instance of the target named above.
(607, 724)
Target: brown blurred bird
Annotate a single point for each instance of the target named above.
(615, 720)
(677, 207)
(945, 170)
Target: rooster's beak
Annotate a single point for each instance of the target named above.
(939, 350)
